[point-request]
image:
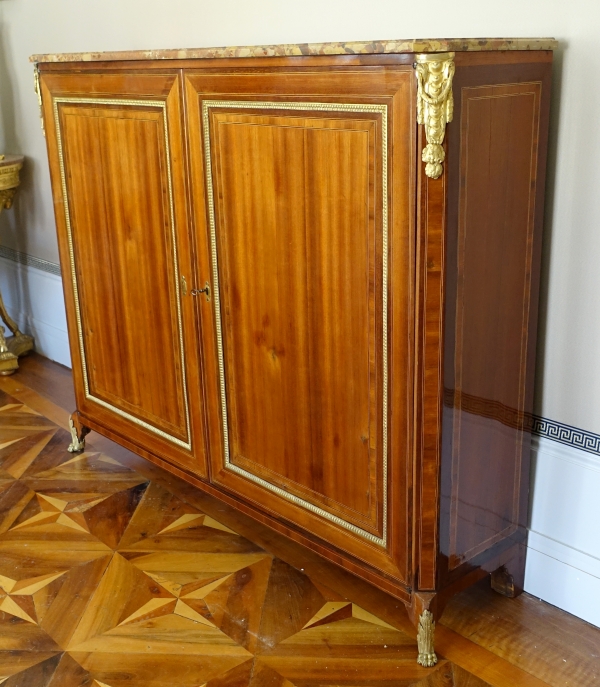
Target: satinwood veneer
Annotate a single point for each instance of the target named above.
(309, 285)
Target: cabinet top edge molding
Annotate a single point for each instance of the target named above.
(410, 45)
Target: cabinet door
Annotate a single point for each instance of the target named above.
(309, 261)
(116, 152)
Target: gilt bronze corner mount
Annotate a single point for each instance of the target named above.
(435, 105)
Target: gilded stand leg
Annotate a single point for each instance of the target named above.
(8, 361)
(78, 433)
(20, 343)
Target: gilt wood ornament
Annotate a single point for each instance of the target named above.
(435, 105)
(19, 343)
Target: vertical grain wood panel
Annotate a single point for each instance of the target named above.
(119, 203)
(118, 172)
(295, 221)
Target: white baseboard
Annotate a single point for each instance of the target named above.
(34, 299)
(563, 558)
(563, 586)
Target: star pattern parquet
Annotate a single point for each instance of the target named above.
(109, 580)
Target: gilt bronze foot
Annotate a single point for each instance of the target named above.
(425, 640)
(78, 434)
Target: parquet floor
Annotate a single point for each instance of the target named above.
(115, 574)
(109, 579)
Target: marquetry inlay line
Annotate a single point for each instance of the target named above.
(185, 611)
(182, 522)
(65, 520)
(147, 608)
(361, 614)
(78, 457)
(10, 606)
(155, 104)
(207, 589)
(13, 406)
(4, 444)
(327, 610)
(37, 519)
(107, 459)
(180, 600)
(33, 585)
(7, 584)
(15, 601)
(366, 108)
(340, 610)
(209, 522)
(57, 503)
(172, 587)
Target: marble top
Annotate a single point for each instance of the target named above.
(292, 49)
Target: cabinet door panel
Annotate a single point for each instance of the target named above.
(298, 222)
(296, 231)
(122, 224)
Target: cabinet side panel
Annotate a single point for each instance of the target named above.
(497, 152)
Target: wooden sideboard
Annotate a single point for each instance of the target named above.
(305, 279)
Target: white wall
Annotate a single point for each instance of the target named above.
(569, 360)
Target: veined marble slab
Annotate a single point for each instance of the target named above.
(293, 49)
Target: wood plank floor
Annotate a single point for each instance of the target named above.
(116, 573)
